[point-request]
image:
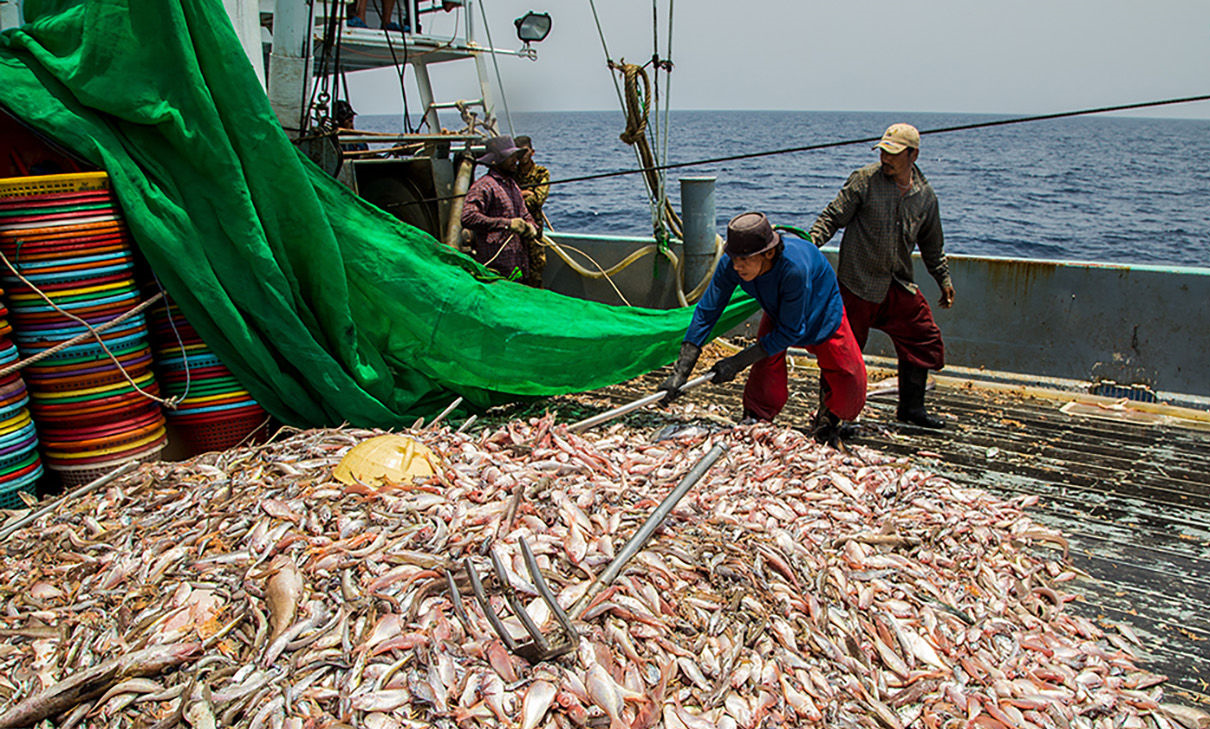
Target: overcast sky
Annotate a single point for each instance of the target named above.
(1017, 57)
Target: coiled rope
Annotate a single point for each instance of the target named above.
(635, 135)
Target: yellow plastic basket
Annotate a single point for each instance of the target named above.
(45, 184)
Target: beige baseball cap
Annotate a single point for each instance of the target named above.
(899, 137)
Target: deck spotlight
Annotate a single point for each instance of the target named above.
(533, 27)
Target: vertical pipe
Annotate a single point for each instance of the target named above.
(425, 86)
(289, 63)
(10, 14)
(245, 18)
(462, 183)
(697, 213)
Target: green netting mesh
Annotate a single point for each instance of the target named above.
(327, 309)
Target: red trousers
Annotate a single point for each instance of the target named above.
(907, 320)
(841, 371)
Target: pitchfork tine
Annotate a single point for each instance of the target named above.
(492, 618)
(456, 600)
(539, 582)
(518, 609)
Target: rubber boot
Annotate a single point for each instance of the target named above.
(825, 427)
(912, 381)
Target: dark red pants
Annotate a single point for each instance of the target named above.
(841, 369)
(907, 320)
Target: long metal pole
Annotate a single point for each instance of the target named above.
(639, 540)
(641, 402)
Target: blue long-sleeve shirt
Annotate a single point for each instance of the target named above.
(799, 293)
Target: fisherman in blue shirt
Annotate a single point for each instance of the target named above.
(797, 291)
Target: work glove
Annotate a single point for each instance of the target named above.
(520, 227)
(680, 371)
(727, 368)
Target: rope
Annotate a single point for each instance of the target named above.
(684, 299)
(635, 135)
(92, 332)
(610, 64)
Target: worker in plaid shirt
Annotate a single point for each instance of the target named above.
(495, 215)
(887, 209)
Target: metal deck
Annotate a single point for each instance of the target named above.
(1132, 499)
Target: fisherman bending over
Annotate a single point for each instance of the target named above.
(801, 304)
(495, 216)
(886, 209)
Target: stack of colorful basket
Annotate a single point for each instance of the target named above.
(214, 411)
(93, 402)
(20, 465)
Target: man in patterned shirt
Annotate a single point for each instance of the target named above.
(535, 188)
(495, 214)
(886, 209)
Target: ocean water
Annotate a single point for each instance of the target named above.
(1102, 189)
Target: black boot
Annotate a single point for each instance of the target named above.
(912, 381)
(825, 427)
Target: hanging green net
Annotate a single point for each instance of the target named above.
(325, 308)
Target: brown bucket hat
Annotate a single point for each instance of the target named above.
(748, 234)
(498, 150)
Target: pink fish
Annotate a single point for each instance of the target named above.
(604, 693)
(537, 702)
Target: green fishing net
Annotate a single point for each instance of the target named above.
(325, 308)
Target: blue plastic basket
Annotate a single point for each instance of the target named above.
(18, 436)
(32, 265)
(41, 307)
(9, 489)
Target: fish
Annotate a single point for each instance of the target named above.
(794, 585)
(604, 693)
(536, 703)
(94, 682)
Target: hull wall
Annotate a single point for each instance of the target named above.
(1064, 319)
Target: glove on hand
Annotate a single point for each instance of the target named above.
(521, 228)
(727, 368)
(680, 371)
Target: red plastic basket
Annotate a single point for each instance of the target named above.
(221, 433)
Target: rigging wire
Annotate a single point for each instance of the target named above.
(870, 140)
(499, 80)
(613, 66)
(659, 191)
(399, 69)
(863, 140)
(667, 94)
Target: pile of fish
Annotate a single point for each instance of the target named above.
(795, 585)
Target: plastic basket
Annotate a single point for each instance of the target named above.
(9, 490)
(45, 184)
(18, 460)
(222, 433)
(138, 359)
(143, 418)
(58, 199)
(113, 444)
(30, 442)
(73, 476)
(41, 227)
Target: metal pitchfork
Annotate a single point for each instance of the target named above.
(542, 647)
(654, 397)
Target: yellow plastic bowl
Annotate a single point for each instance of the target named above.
(385, 459)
